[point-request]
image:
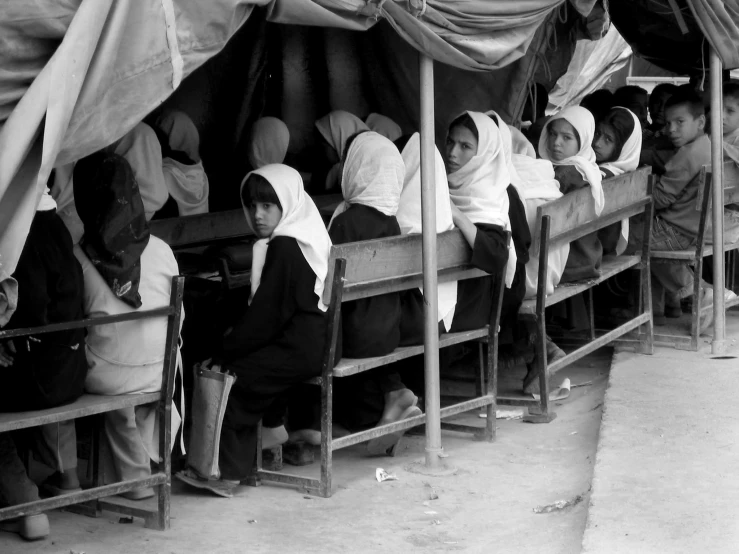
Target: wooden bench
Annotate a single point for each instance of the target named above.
(567, 219)
(371, 268)
(694, 256)
(223, 229)
(96, 405)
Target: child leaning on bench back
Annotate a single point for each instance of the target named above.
(675, 193)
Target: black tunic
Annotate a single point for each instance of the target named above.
(513, 297)
(370, 327)
(609, 236)
(586, 253)
(475, 296)
(276, 344)
(48, 369)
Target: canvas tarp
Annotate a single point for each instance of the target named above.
(78, 74)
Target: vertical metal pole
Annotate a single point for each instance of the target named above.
(430, 300)
(717, 159)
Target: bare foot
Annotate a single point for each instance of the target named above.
(397, 402)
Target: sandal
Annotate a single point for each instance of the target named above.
(52, 486)
(220, 487)
(387, 445)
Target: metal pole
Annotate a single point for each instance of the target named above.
(717, 158)
(430, 300)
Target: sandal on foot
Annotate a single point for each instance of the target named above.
(31, 528)
(387, 445)
(52, 486)
(226, 489)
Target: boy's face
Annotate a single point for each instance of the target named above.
(731, 115)
(657, 108)
(638, 104)
(681, 127)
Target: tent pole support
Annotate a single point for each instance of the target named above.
(718, 345)
(434, 451)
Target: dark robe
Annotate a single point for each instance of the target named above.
(371, 326)
(586, 253)
(609, 236)
(48, 369)
(277, 343)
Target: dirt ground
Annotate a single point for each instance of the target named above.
(488, 505)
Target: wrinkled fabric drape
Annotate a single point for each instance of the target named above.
(719, 21)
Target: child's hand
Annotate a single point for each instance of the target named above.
(6, 349)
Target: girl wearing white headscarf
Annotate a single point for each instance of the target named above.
(477, 184)
(617, 145)
(409, 219)
(183, 169)
(268, 142)
(335, 129)
(384, 125)
(372, 182)
(279, 338)
(567, 142)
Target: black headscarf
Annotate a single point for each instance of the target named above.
(116, 232)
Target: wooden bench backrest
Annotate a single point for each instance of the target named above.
(204, 229)
(731, 183)
(573, 215)
(386, 265)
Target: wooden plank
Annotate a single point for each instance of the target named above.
(688, 255)
(201, 229)
(396, 257)
(87, 404)
(611, 265)
(577, 209)
(351, 366)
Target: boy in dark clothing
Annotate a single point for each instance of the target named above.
(675, 226)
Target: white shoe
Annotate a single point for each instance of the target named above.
(273, 436)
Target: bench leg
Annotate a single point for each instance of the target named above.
(326, 436)
(695, 317)
(588, 297)
(644, 303)
(492, 384)
(541, 413)
(253, 480)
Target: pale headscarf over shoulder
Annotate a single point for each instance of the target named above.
(584, 160)
(384, 125)
(373, 175)
(142, 151)
(337, 127)
(182, 133)
(409, 214)
(300, 220)
(628, 159)
(268, 142)
(521, 144)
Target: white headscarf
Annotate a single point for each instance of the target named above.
(521, 144)
(300, 220)
(584, 160)
(384, 125)
(478, 188)
(409, 214)
(628, 160)
(268, 142)
(337, 127)
(188, 185)
(141, 149)
(373, 175)
(182, 133)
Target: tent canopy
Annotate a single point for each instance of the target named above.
(77, 75)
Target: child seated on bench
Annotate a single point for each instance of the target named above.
(675, 226)
(182, 167)
(372, 181)
(45, 370)
(478, 179)
(567, 143)
(268, 141)
(125, 270)
(334, 130)
(617, 145)
(731, 153)
(278, 342)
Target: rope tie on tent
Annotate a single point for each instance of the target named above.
(372, 8)
(417, 8)
(174, 48)
(703, 65)
(562, 14)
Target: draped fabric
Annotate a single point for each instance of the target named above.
(78, 75)
(719, 21)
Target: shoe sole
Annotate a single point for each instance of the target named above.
(208, 485)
